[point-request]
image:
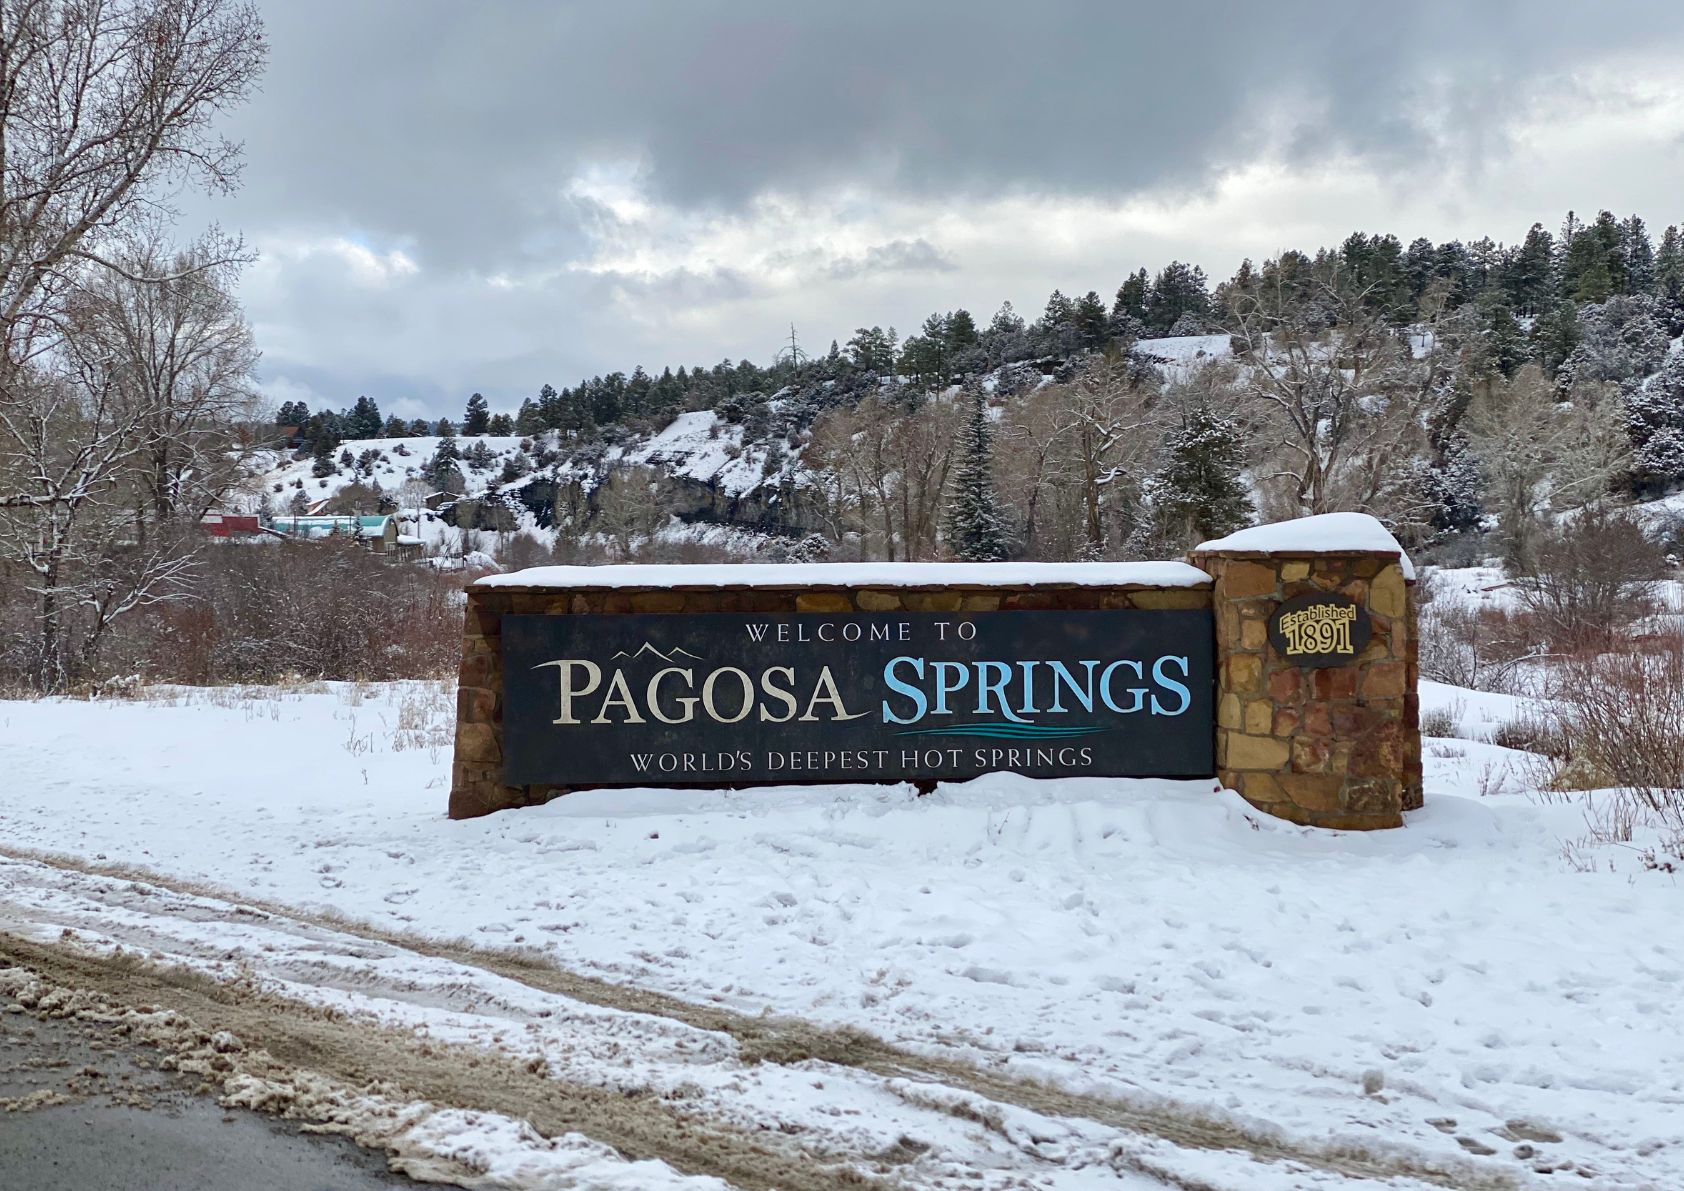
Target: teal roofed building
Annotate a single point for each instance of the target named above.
(379, 533)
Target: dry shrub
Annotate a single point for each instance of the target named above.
(1622, 716)
(1587, 579)
(1534, 733)
(1442, 721)
(319, 610)
(1481, 649)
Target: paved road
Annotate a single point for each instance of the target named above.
(82, 1109)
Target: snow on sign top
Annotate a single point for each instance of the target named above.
(858, 574)
(1328, 533)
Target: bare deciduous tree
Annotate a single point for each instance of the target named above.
(887, 467)
(1339, 383)
(1074, 456)
(105, 106)
(1540, 454)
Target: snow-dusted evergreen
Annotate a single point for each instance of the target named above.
(975, 530)
(1199, 490)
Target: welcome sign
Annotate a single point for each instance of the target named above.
(664, 699)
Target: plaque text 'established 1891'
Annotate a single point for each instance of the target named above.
(663, 699)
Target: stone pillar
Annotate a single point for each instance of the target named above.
(1330, 745)
(476, 776)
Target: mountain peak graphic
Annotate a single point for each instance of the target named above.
(649, 649)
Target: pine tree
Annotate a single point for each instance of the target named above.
(445, 429)
(362, 420)
(1502, 340)
(961, 330)
(1452, 489)
(395, 427)
(1198, 492)
(1055, 333)
(1531, 274)
(1131, 297)
(1093, 322)
(1655, 424)
(1555, 333)
(501, 425)
(444, 472)
(975, 530)
(1669, 265)
(1178, 289)
(1006, 321)
(1420, 259)
(1637, 255)
(871, 350)
(476, 419)
(322, 450)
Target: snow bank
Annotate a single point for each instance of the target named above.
(1328, 533)
(860, 574)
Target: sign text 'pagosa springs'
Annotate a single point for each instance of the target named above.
(803, 697)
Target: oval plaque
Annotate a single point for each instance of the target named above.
(1320, 629)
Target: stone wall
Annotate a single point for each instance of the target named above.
(476, 778)
(1333, 747)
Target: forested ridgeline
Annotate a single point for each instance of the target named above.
(1451, 389)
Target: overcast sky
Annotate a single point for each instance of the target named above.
(449, 197)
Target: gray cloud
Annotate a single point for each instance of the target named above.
(451, 131)
(897, 256)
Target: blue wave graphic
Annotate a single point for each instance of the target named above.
(1005, 730)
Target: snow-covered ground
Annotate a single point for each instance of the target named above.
(1461, 991)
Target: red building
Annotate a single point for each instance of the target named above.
(230, 525)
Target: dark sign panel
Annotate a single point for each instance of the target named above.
(1320, 629)
(597, 700)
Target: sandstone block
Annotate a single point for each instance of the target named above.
(823, 601)
(1337, 682)
(1256, 752)
(657, 601)
(1384, 680)
(943, 601)
(1260, 717)
(482, 670)
(478, 742)
(1373, 797)
(1388, 596)
(1259, 788)
(1245, 580)
(878, 601)
(1314, 791)
(475, 705)
(1170, 598)
(1245, 673)
(1310, 754)
(1284, 685)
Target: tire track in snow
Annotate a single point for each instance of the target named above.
(289, 1045)
(786, 1040)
